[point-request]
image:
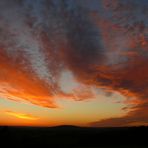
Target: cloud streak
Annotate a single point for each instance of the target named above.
(21, 115)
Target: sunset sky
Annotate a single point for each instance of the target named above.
(74, 62)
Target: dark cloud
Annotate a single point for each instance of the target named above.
(138, 116)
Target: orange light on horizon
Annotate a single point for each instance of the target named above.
(21, 115)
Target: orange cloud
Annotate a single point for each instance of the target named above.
(21, 115)
(17, 83)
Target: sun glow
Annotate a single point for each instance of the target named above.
(21, 115)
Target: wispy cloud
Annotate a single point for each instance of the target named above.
(21, 115)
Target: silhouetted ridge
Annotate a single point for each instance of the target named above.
(67, 136)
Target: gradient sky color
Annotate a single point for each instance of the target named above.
(74, 62)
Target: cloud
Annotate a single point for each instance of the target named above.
(21, 115)
(39, 40)
(127, 71)
(31, 58)
(137, 116)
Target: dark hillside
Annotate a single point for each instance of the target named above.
(75, 137)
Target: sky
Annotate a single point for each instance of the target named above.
(74, 62)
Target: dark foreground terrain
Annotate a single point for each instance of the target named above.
(74, 137)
